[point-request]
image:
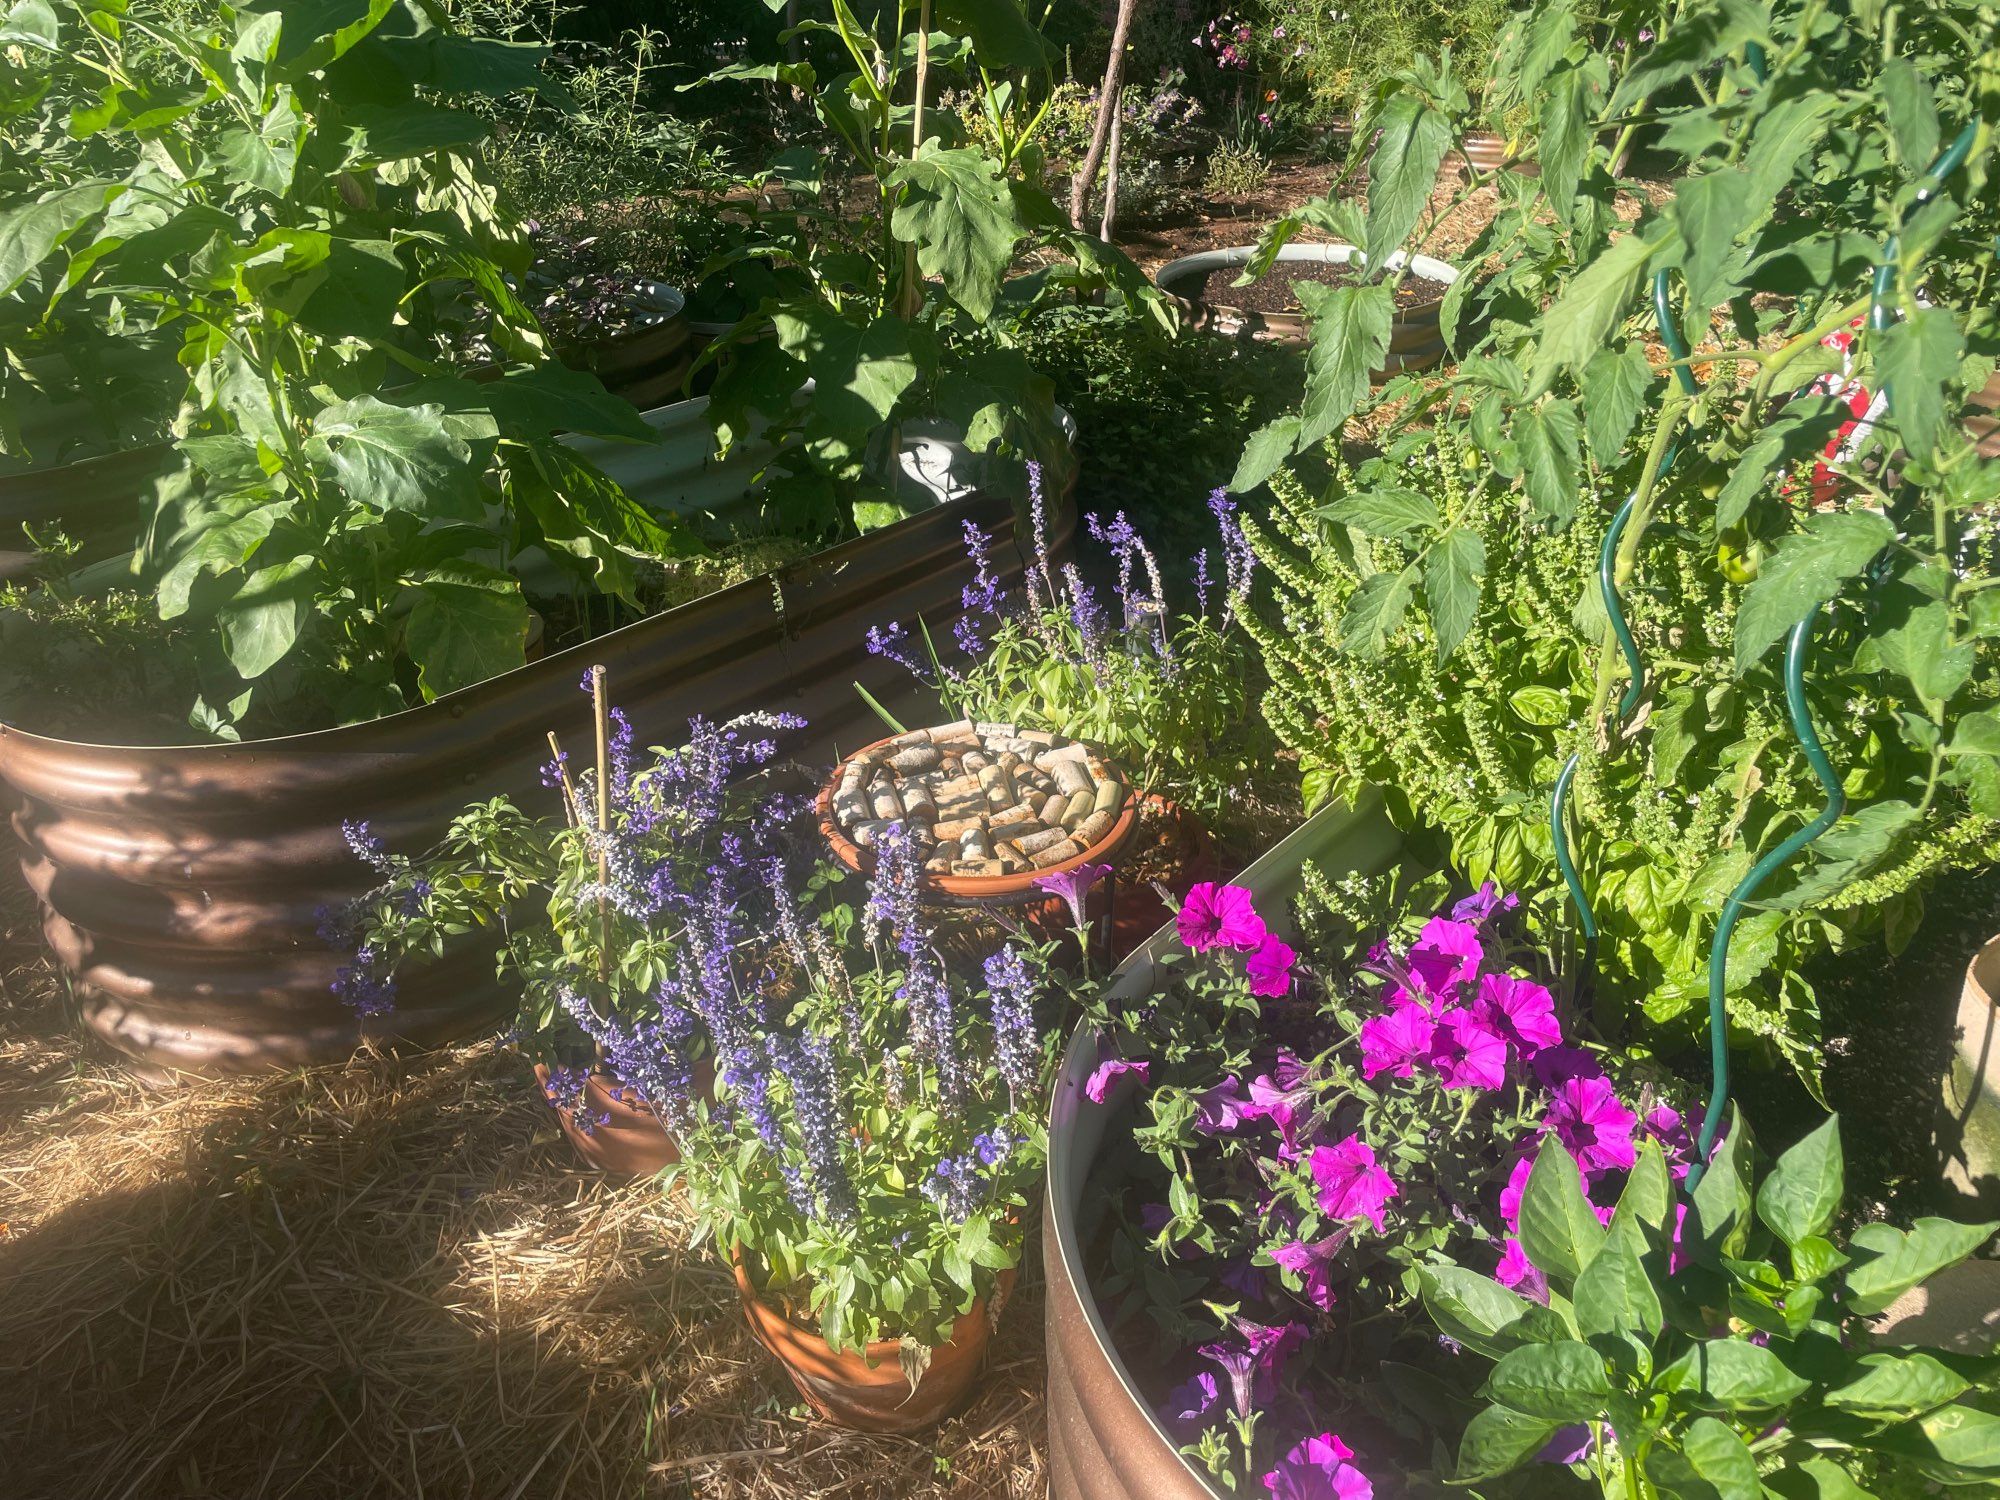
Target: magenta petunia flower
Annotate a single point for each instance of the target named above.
(1446, 956)
(1569, 1445)
(1073, 886)
(1317, 1468)
(1350, 1184)
(1396, 1041)
(1517, 1271)
(1510, 1195)
(1521, 1011)
(1284, 1106)
(1219, 916)
(1555, 1066)
(1589, 1119)
(1253, 1359)
(1466, 1052)
(1270, 968)
(1107, 1073)
(1313, 1261)
(1665, 1125)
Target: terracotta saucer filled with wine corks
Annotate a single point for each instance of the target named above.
(993, 808)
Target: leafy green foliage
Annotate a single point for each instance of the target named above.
(894, 241)
(286, 203)
(1700, 1373)
(1755, 497)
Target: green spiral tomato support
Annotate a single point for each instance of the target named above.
(1881, 315)
(1621, 629)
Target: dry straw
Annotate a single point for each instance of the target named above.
(389, 1279)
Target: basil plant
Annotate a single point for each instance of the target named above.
(879, 271)
(1718, 1347)
(1807, 459)
(281, 194)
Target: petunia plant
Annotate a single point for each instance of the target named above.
(1717, 1343)
(1322, 1128)
(1170, 698)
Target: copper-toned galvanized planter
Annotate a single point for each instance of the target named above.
(1415, 340)
(94, 501)
(1104, 1441)
(181, 886)
(1483, 152)
(648, 362)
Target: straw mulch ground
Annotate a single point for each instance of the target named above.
(389, 1279)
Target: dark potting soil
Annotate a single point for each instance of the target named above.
(1889, 1024)
(1273, 291)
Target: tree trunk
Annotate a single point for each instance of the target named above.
(1107, 112)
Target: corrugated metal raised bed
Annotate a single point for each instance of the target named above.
(181, 885)
(1105, 1442)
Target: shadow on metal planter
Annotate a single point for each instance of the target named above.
(1105, 1443)
(181, 886)
(1416, 341)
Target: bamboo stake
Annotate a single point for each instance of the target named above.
(570, 815)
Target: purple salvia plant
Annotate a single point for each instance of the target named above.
(1018, 1047)
(1239, 561)
(1038, 522)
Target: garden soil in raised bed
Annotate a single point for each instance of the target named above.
(387, 1279)
(1275, 291)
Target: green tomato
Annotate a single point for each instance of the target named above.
(1740, 556)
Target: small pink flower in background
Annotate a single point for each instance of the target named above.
(1073, 886)
(1265, 121)
(1446, 956)
(1313, 1261)
(1278, 32)
(1350, 1184)
(1317, 1468)
(1467, 1053)
(1107, 1073)
(1520, 1010)
(1589, 1119)
(1396, 1041)
(1517, 1271)
(1219, 916)
(1270, 968)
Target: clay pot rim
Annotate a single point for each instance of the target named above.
(876, 1351)
(978, 887)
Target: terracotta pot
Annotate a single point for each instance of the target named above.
(1982, 422)
(975, 889)
(181, 885)
(630, 1143)
(1969, 1123)
(868, 1392)
(1139, 912)
(1105, 1441)
(1416, 342)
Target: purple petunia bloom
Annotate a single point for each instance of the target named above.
(1278, 1096)
(1521, 1011)
(1445, 957)
(1517, 1271)
(1270, 968)
(1467, 1053)
(1350, 1184)
(1569, 1445)
(1396, 1041)
(1221, 1110)
(1483, 904)
(1254, 1359)
(1556, 1066)
(1073, 886)
(1190, 1403)
(1313, 1260)
(1665, 1125)
(1107, 1071)
(1588, 1118)
(1317, 1468)
(1219, 916)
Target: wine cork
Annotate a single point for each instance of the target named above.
(1072, 778)
(886, 804)
(1094, 828)
(1055, 854)
(1110, 796)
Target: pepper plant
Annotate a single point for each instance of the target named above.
(1716, 1346)
(285, 195)
(897, 303)
(1815, 264)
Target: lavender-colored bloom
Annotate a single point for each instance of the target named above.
(1017, 1047)
(1073, 886)
(1253, 1359)
(892, 641)
(362, 989)
(1201, 582)
(1038, 523)
(1484, 904)
(366, 846)
(982, 595)
(1087, 615)
(1312, 1262)
(553, 770)
(956, 1187)
(808, 1068)
(1239, 560)
(1191, 1402)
